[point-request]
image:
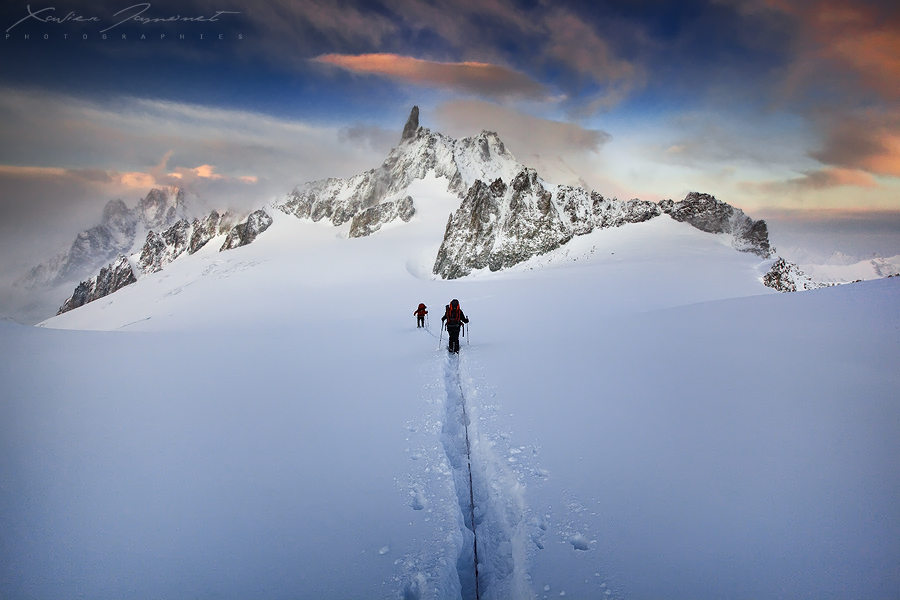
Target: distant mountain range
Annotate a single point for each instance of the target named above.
(507, 215)
(119, 228)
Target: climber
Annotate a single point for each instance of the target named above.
(454, 317)
(420, 315)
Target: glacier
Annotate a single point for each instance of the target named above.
(645, 418)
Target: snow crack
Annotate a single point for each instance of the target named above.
(491, 563)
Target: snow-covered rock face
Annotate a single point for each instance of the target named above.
(244, 233)
(202, 231)
(162, 248)
(421, 151)
(371, 219)
(111, 278)
(498, 226)
(708, 214)
(785, 276)
(116, 234)
(161, 207)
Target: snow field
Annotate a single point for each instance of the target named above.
(646, 421)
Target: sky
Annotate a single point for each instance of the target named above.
(788, 110)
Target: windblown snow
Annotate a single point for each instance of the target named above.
(631, 415)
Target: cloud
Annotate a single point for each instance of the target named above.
(477, 78)
(813, 235)
(71, 156)
(123, 182)
(826, 179)
(833, 177)
(578, 47)
(533, 134)
(869, 142)
(377, 138)
(861, 37)
(490, 48)
(286, 31)
(559, 150)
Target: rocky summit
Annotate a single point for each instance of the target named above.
(162, 248)
(420, 152)
(118, 231)
(111, 278)
(714, 216)
(785, 276)
(498, 226)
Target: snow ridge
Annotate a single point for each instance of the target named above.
(711, 215)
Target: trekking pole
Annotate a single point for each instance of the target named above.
(468, 341)
(440, 336)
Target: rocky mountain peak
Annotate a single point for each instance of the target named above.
(161, 207)
(786, 276)
(412, 125)
(115, 211)
(711, 215)
(498, 226)
(421, 151)
(111, 278)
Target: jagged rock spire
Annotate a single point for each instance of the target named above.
(412, 125)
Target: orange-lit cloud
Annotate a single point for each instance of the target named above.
(859, 37)
(137, 180)
(207, 172)
(185, 175)
(817, 180)
(851, 34)
(125, 181)
(870, 142)
(887, 161)
(478, 78)
(20, 171)
(128, 180)
(834, 177)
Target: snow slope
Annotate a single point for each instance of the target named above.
(644, 420)
(837, 272)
